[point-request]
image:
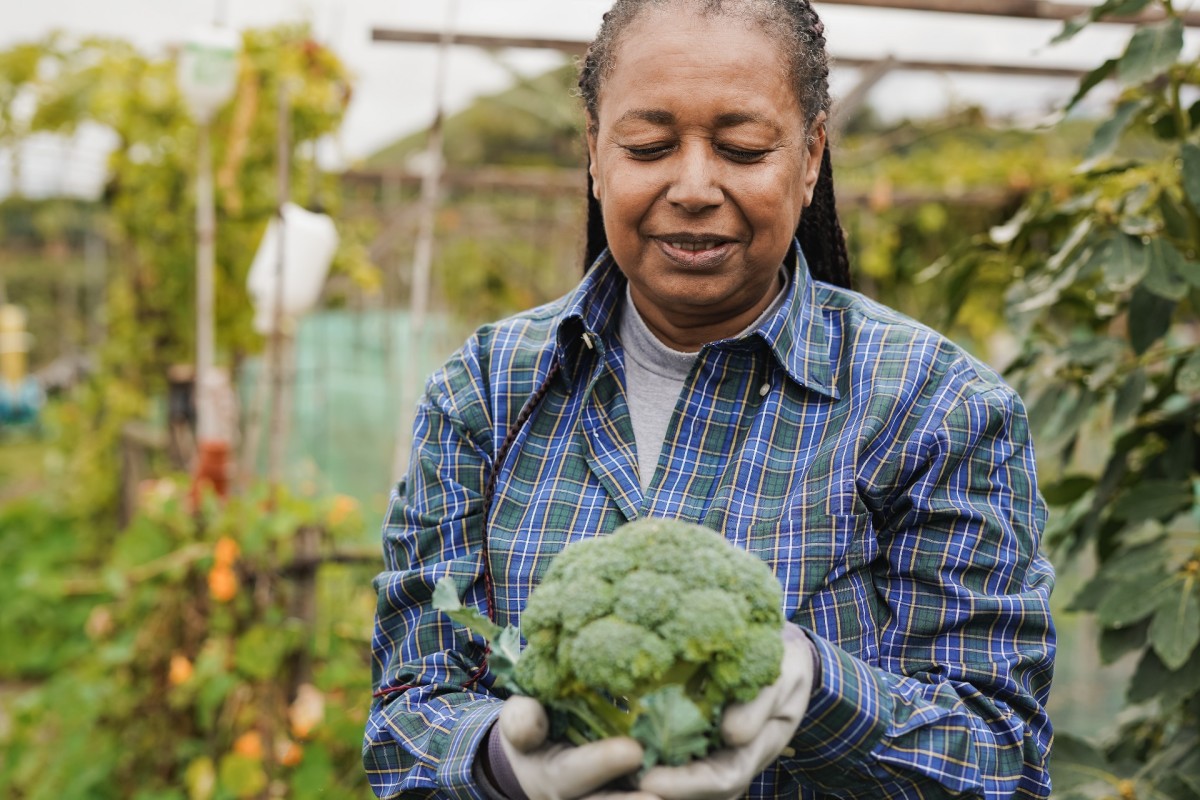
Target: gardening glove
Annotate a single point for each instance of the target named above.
(756, 733)
(552, 771)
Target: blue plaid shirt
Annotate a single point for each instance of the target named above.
(886, 477)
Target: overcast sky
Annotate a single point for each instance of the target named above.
(394, 87)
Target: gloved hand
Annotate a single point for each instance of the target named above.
(551, 771)
(756, 733)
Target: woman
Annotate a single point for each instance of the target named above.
(714, 366)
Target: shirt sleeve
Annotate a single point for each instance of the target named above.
(433, 705)
(955, 705)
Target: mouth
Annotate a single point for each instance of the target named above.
(695, 249)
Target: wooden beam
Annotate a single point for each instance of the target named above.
(910, 65)
(1019, 9)
(574, 47)
(546, 181)
(569, 46)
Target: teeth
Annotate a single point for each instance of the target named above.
(693, 246)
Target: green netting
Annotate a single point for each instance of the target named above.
(357, 379)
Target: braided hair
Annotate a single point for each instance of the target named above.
(794, 24)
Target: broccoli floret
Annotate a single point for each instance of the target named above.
(650, 631)
(657, 604)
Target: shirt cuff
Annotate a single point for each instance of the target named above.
(848, 714)
(456, 774)
(505, 785)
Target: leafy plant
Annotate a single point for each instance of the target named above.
(1107, 304)
(187, 662)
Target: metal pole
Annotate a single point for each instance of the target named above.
(279, 339)
(205, 257)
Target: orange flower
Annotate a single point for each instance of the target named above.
(343, 507)
(307, 711)
(226, 551)
(222, 583)
(288, 753)
(249, 744)
(180, 671)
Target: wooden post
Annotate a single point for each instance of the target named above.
(423, 256)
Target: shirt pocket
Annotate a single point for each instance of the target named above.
(823, 562)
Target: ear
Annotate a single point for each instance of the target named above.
(816, 151)
(590, 134)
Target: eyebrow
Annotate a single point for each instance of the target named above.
(732, 119)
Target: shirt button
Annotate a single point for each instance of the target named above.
(765, 389)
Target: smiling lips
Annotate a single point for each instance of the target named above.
(694, 250)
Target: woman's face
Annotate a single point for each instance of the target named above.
(702, 164)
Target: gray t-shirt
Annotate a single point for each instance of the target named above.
(654, 378)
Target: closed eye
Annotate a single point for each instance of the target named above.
(742, 156)
(649, 153)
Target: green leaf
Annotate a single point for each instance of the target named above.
(1119, 8)
(200, 778)
(1190, 155)
(1111, 8)
(1175, 221)
(1153, 679)
(242, 776)
(1167, 266)
(1067, 490)
(671, 728)
(1075, 762)
(1118, 642)
(1071, 29)
(1175, 631)
(1151, 51)
(260, 652)
(1152, 500)
(1129, 396)
(1144, 558)
(1188, 378)
(445, 599)
(506, 651)
(1125, 262)
(1127, 602)
(1149, 319)
(1108, 135)
(1007, 233)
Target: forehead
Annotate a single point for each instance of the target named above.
(675, 57)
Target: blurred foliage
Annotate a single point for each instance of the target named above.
(180, 662)
(185, 656)
(147, 213)
(921, 190)
(535, 123)
(1107, 308)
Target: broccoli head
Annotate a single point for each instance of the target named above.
(648, 632)
(656, 604)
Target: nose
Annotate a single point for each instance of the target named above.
(694, 186)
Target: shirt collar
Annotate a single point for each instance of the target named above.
(795, 333)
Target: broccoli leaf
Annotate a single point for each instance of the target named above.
(505, 643)
(445, 599)
(506, 650)
(671, 728)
